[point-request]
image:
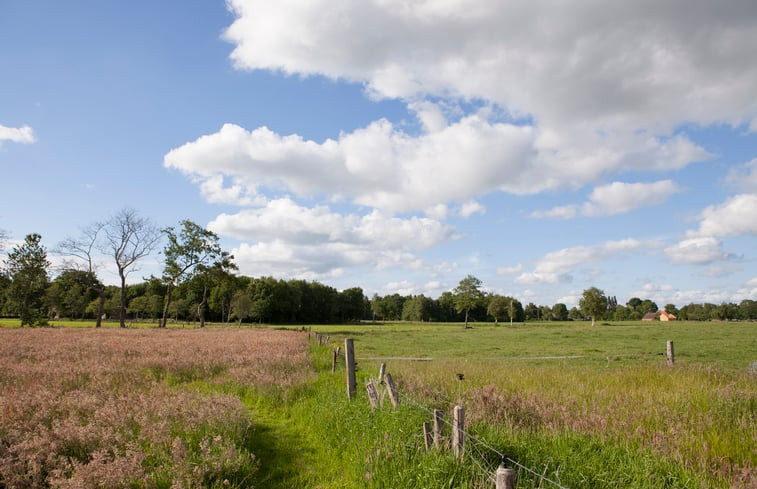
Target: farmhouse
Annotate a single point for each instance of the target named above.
(660, 315)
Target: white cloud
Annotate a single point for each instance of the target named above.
(698, 251)
(615, 198)
(752, 282)
(557, 266)
(734, 217)
(293, 240)
(510, 270)
(631, 65)
(472, 207)
(23, 134)
(744, 177)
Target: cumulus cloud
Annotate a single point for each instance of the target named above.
(23, 134)
(640, 64)
(510, 270)
(697, 251)
(293, 240)
(615, 198)
(734, 217)
(557, 266)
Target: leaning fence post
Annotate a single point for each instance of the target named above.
(458, 429)
(428, 437)
(505, 478)
(392, 390)
(333, 361)
(372, 393)
(349, 361)
(382, 371)
(671, 354)
(438, 425)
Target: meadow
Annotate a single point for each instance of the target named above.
(259, 407)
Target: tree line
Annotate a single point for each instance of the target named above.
(199, 283)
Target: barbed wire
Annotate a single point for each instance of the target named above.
(502, 456)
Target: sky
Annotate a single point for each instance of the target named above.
(543, 147)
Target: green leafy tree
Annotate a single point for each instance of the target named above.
(27, 269)
(593, 303)
(531, 311)
(498, 307)
(241, 306)
(468, 295)
(351, 304)
(71, 292)
(546, 313)
(560, 312)
(191, 252)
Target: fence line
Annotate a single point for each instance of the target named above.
(477, 444)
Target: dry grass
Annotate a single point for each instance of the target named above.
(114, 408)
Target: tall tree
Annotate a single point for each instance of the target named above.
(27, 269)
(468, 295)
(560, 312)
(190, 253)
(128, 238)
(81, 250)
(593, 303)
(497, 307)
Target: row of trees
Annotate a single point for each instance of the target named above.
(198, 283)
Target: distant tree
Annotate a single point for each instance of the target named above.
(748, 309)
(81, 257)
(27, 269)
(377, 307)
(514, 310)
(446, 307)
(545, 312)
(191, 252)
(417, 308)
(647, 306)
(621, 313)
(241, 306)
(351, 304)
(593, 303)
(498, 306)
(560, 312)
(612, 303)
(575, 314)
(71, 292)
(531, 311)
(468, 295)
(128, 238)
(671, 309)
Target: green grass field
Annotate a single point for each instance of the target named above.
(584, 406)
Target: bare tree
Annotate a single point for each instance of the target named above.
(82, 251)
(127, 237)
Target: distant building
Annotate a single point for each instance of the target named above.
(659, 315)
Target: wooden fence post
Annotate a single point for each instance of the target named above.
(333, 361)
(391, 390)
(349, 362)
(428, 437)
(458, 427)
(505, 478)
(372, 393)
(382, 371)
(438, 426)
(671, 354)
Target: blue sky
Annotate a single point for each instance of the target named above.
(399, 146)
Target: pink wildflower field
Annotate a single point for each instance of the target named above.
(118, 408)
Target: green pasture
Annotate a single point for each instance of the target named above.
(726, 344)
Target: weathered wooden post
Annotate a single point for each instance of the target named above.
(505, 478)
(428, 437)
(333, 361)
(438, 426)
(391, 390)
(349, 362)
(671, 354)
(458, 428)
(372, 393)
(382, 371)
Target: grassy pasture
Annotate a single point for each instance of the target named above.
(251, 407)
(548, 391)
